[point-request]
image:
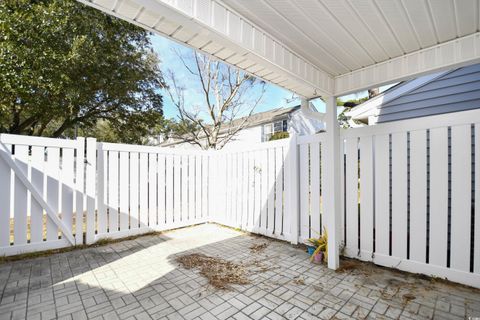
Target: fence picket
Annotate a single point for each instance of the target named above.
(438, 196)
(161, 190)
(134, 190)
(5, 212)
(239, 184)
(418, 195)
(351, 194)
(251, 190)
(257, 185)
(143, 190)
(228, 190)
(176, 190)
(53, 197)
(67, 187)
(366, 197)
(271, 192)
(204, 187)
(152, 189)
(169, 187)
(185, 188)
(37, 174)
(304, 183)
(279, 194)
(264, 191)
(382, 194)
(198, 186)
(315, 230)
(20, 209)
(112, 191)
(245, 191)
(124, 190)
(235, 190)
(191, 187)
(399, 194)
(461, 154)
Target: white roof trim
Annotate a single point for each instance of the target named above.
(448, 55)
(394, 47)
(253, 49)
(370, 107)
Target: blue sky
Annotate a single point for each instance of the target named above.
(274, 97)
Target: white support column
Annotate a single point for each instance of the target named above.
(90, 188)
(332, 187)
(291, 175)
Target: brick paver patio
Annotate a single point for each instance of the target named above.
(139, 279)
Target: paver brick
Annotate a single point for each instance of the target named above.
(139, 279)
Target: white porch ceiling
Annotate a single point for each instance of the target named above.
(318, 47)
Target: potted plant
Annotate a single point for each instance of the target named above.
(317, 247)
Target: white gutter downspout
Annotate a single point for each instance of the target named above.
(309, 113)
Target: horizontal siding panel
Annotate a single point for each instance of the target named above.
(435, 101)
(461, 92)
(424, 112)
(442, 88)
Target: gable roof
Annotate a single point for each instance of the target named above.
(254, 120)
(266, 116)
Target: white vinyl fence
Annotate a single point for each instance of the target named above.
(142, 189)
(311, 185)
(410, 192)
(254, 189)
(41, 196)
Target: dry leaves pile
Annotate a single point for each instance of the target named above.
(220, 273)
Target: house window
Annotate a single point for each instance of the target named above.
(270, 128)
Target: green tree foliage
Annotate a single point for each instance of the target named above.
(65, 66)
(348, 105)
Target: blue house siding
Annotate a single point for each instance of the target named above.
(457, 90)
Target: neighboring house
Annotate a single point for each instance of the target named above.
(439, 93)
(261, 126)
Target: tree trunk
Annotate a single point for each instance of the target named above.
(65, 125)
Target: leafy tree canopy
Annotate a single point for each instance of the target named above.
(65, 66)
(348, 105)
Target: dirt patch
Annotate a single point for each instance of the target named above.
(408, 297)
(257, 248)
(220, 273)
(349, 265)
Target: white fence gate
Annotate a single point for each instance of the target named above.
(40, 178)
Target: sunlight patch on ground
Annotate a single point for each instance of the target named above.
(134, 271)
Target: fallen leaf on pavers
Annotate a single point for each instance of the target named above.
(299, 281)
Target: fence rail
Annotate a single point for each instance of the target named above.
(410, 192)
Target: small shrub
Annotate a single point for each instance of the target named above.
(279, 135)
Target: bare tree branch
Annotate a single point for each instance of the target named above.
(229, 94)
